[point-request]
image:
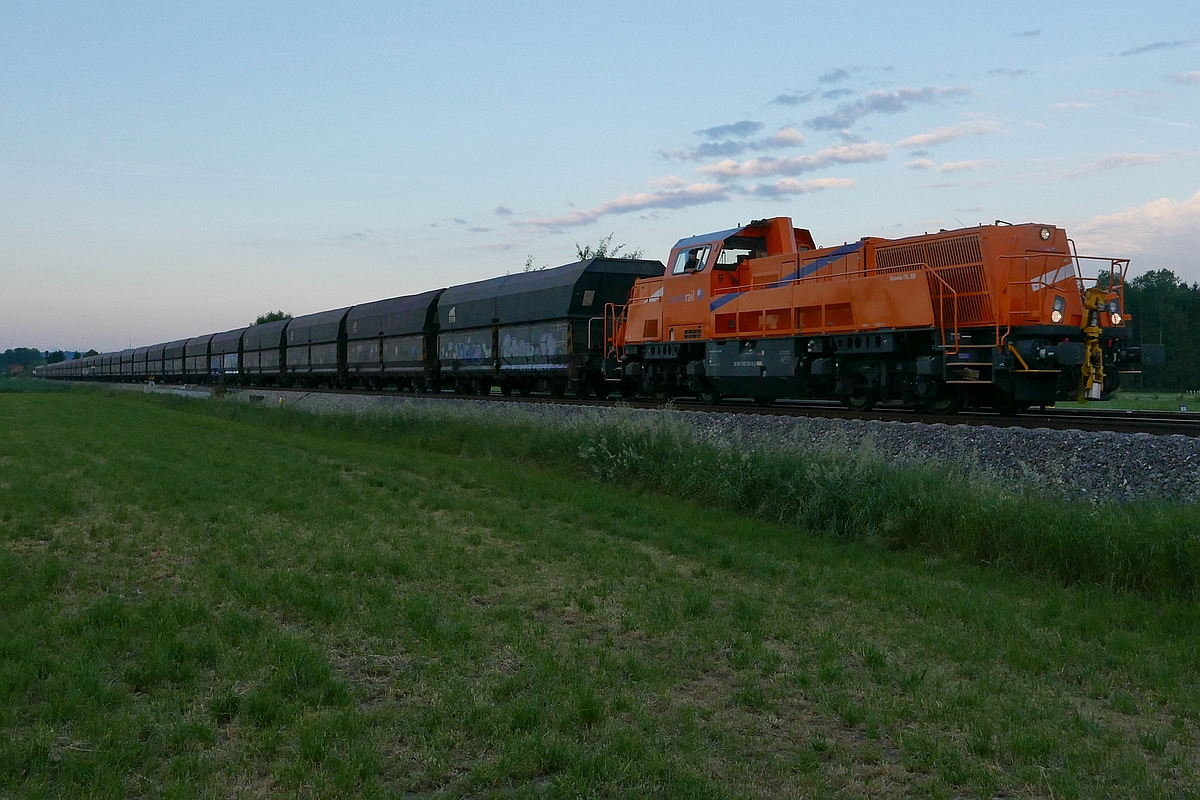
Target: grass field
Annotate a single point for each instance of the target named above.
(200, 600)
(1153, 401)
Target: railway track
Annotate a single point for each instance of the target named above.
(1159, 423)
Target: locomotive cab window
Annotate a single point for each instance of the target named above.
(738, 248)
(691, 260)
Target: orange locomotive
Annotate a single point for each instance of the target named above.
(998, 316)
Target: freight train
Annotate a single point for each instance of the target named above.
(998, 316)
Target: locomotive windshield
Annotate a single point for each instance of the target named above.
(736, 248)
(691, 259)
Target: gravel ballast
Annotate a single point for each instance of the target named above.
(1087, 465)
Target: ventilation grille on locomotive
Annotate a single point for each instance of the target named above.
(958, 285)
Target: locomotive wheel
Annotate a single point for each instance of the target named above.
(662, 393)
(558, 389)
(524, 388)
(945, 404)
(763, 401)
(709, 396)
(629, 389)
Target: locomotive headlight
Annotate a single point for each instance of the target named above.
(1045, 234)
(1060, 305)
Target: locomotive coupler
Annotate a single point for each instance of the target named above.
(1091, 374)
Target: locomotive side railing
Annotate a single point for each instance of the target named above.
(946, 290)
(1024, 288)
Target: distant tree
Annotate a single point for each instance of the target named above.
(1165, 310)
(27, 357)
(530, 267)
(56, 357)
(272, 316)
(89, 354)
(604, 249)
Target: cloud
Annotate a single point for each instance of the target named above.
(846, 114)
(838, 75)
(1070, 106)
(790, 186)
(478, 229)
(706, 150)
(1156, 46)
(1027, 34)
(739, 130)
(834, 94)
(950, 133)
(1009, 73)
(666, 182)
(498, 247)
(793, 99)
(962, 166)
(1186, 77)
(503, 211)
(1162, 234)
(784, 137)
(694, 195)
(1111, 162)
(458, 221)
(759, 167)
(359, 236)
(950, 166)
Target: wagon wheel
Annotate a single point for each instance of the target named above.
(861, 400)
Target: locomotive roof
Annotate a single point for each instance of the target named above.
(543, 294)
(394, 316)
(706, 238)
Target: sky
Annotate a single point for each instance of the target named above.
(174, 169)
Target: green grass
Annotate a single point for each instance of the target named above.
(1153, 401)
(198, 599)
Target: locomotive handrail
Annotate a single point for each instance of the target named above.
(942, 311)
(617, 319)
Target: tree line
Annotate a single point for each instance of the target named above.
(1164, 309)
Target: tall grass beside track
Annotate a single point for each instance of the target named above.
(1148, 547)
(208, 599)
